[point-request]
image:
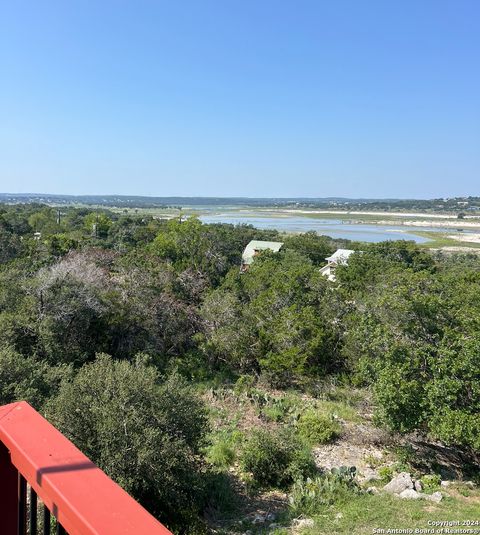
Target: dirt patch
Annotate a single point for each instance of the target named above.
(344, 454)
(358, 445)
(232, 409)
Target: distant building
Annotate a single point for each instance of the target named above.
(338, 258)
(255, 247)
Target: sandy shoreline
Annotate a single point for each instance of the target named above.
(472, 238)
(457, 223)
(436, 220)
(354, 212)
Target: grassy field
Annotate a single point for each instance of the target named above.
(362, 514)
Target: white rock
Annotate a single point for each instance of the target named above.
(445, 483)
(338, 516)
(410, 494)
(304, 522)
(399, 483)
(418, 485)
(435, 497)
(372, 490)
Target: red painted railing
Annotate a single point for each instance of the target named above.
(83, 499)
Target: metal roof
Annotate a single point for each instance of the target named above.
(257, 245)
(340, 256)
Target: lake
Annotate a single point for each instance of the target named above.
(334, 228)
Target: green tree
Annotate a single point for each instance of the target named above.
(29, 379)
(144, 433)
(97, 224)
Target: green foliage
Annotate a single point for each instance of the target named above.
(243, 385)
(222, 450)
(273, 319)
(317, 428)
(219, 495)
(405, 454)
(362, 511)
(276, 458)
(416, 341)
(28, 379)
(310, 496)
(209, 249)
(431, 482)
(221, 454)
(310, 245)
(10, 245)
(397, 393)
(285, 409)
(339, 409)
(143, 433)
(386, 473)
(98, 224)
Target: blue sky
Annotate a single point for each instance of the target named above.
(240, 98)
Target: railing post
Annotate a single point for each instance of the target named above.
(8, 493)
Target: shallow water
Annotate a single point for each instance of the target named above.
(334, 228)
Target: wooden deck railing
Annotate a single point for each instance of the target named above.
(42, 471)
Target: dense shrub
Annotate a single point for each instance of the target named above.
(29, 379)
(144, 433)
(276, 319)
(276, 458)
(317, 428)
(415, 339)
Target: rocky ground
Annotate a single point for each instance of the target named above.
(386, 465)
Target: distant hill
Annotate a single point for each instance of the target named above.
(454, 204)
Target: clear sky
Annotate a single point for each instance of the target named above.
(372, 98)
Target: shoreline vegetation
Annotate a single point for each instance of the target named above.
(414, 224)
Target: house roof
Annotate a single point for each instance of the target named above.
(340, 256)
(257, 245)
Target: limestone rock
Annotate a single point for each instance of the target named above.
(410, 494)
(418, 485)
(399, 483)
(303, 522)
(435, 497)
